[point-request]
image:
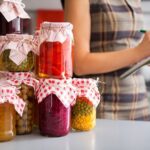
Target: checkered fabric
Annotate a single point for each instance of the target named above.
(115, 25)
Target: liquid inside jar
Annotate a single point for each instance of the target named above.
(55, 60)
(18, 25)
(7, 122)
(54, 117)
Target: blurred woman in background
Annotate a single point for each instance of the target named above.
(107, 43)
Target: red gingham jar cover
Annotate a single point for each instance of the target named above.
(87, 88)
(9, 93)
(19, 45)
(12, 9)
(63, 89)
(17, 79)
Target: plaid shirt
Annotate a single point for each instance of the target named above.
(115, 26)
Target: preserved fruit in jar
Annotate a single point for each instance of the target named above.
(7, 122)
(55, 98)
(83, 115)
(9, 104)
(54, 117)
(9, 24)
(24, 123)
(18, 55)
(55, 51)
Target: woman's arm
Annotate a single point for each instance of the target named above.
(77, 12)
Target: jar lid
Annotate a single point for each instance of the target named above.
(57, 25)
(8, 93)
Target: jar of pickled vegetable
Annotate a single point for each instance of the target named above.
(54, 98)
(55, 51)
(27, 85)
(9, 102)
(17, 53)
(13, 18)
(83, 112)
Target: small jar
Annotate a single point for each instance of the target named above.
(9, 104)
(10, 24)
(55, 51)
(17, 54)
(83, 112)
(54, 107)
(26, 85)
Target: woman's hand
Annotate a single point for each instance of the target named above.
(144, 46)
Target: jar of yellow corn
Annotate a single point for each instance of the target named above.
(83, 112)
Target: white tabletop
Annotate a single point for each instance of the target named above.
(107, 135)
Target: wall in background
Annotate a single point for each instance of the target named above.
(45, 4)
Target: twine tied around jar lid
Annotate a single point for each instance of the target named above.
(19, 46)
(8, 94)
(12, 9)
(87, 88)
(63, 89)
(55, 32)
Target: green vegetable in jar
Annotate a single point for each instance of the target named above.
(26, 65)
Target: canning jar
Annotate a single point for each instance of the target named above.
(83, 112)
(55, 51)
(26, 84)
(54, 98)
(17, 54)
(9, 104)
(13, 18)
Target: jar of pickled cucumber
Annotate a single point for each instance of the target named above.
(17, 54)
(83, 112)
(9, 104)
(13, 18)
(55, 98)
(26, 84)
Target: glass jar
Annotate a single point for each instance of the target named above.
(24, 123)
(54, 117)
(7, 122)
(8, 24)
(83, 115)
(55, 51)
(28, 59)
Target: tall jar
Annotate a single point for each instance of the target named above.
(55, 50)
(13, 18)
(18, 53)
(26, 83)
(54, 98)
(83, 112)
(9, 104)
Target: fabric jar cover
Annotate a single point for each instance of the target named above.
(8, 93)
(12, 9)
(63, 89)
(3, 40)
(16, 79)
(20, 45)
(87, 88)
(55, 32)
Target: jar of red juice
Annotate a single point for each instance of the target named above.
(55, 51)
(13, 18)
(54, 107)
